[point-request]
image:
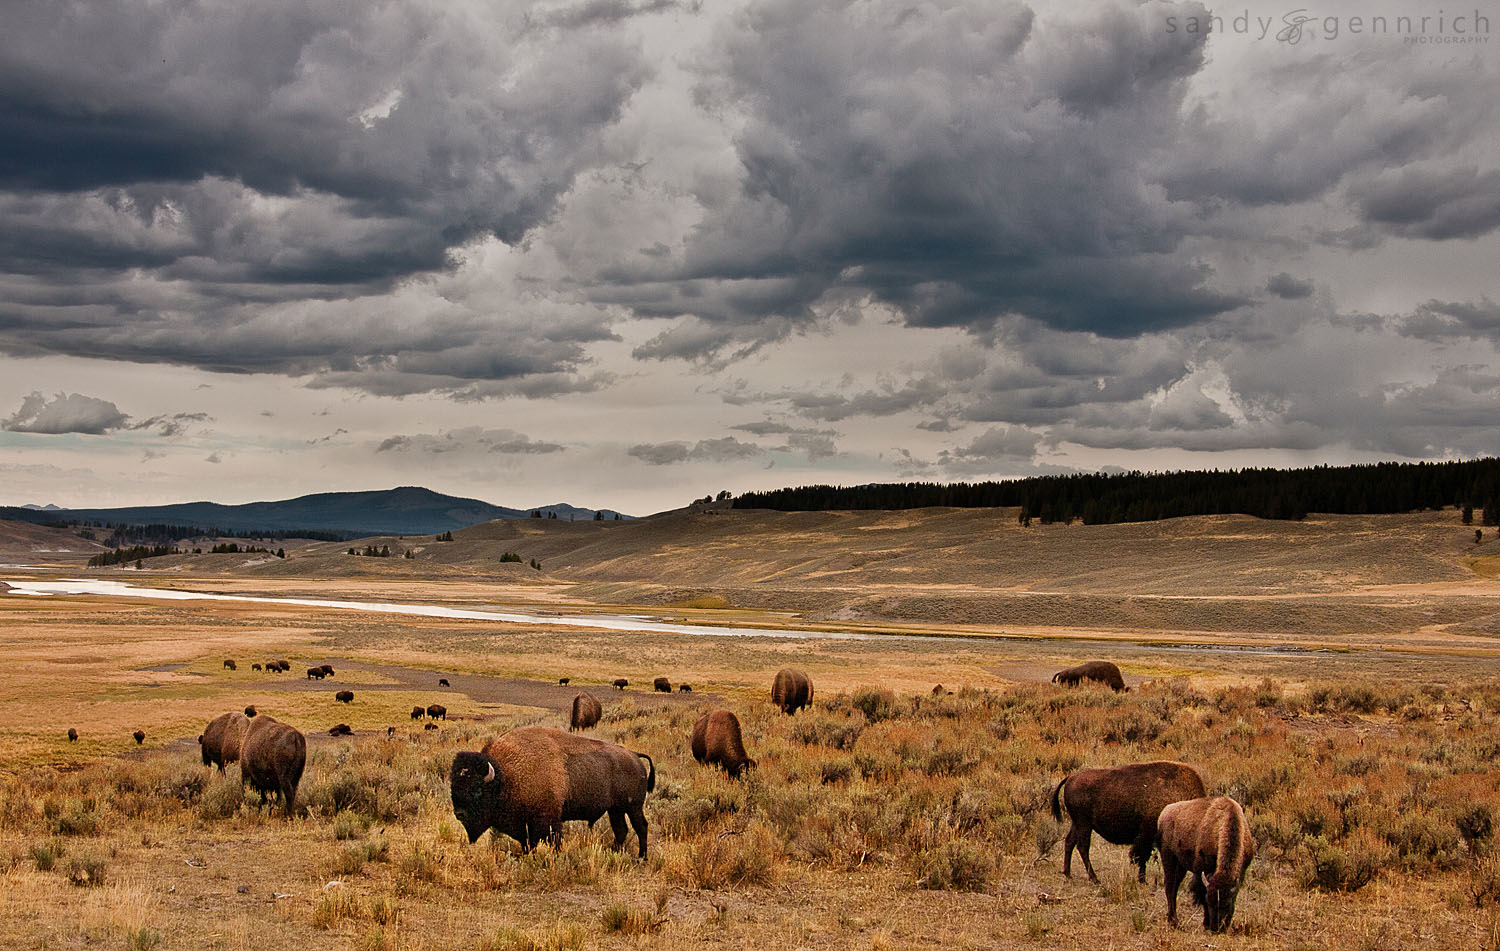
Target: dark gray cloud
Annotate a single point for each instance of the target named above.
(470, 439)
(1449, 320)
(1000, 449)
(1286, 287)
(171, 424)
(723, 449)
(1436, 204)
(65, 413)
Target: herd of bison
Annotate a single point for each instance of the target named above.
(528, 782)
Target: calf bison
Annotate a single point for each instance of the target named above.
(344, 696)
(219, 743)
(621, 683)
(250, 710)
(315, 673)
(272, 757)
(140, 737)
(661, 685)
(530, 781)
(255, 666)
(1122, 804)
(341, 729)
(437, 711)
(791, 690)
(430, 726)
(684, 688)
(390, 731)
(327, 670)
(563, 681)
(418, 713)
(586, 713)
(717, 741)
(230, 664)
(1205, 837)
(443, 682)
(1099, 671)
(72, 735)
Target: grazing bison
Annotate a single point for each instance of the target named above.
(1205, 837)
(684, 688)
(1121, 804)
(255, 666)
(72, 735)
(140, 737)
(661, 685)
(563, 681)
(315, 673)
(250, 710)
(791, 690)
(443, 682)
(430, 726)
(621, 683)
(717, 741)
(937, 691)
(341, 729)
(437, 711)
(586, 713)
(220, 742)
(344, 696)
(327, 670)
(418, 713)
(230, 664)
(285, 666)
(530, 781)
(271, 760)
(1100, 671)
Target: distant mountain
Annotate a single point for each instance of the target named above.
(408, 510)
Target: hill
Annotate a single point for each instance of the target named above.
(408, 510)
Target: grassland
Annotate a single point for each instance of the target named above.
(1341, 679)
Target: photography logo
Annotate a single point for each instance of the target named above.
(1302, 25)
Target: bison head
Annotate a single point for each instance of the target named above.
(476, 784)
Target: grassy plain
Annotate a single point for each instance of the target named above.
(1342, 679)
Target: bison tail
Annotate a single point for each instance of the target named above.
(1055, 676)
(1057, 800)
(650, 772)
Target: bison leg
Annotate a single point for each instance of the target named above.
(1140, 853)
(1085, 838)
(1172, 873)
(617, 823)
(638, 819)
(1068, 845)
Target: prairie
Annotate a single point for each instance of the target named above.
(1340, 679)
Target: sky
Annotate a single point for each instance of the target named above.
(626, 253)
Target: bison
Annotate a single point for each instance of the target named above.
(684, 688)
(791, 690)
(1205, 837)
(250, 710)
(443, 682)
(563, 681)
(285, 666)
(586, 713)
(271, 760)
(344, 696)
(220, 742)
(1121, 804)
(1100, 671)
(327, 670)
(72, 735)
(255, 666)
(315, 673)
(430, 726)
(717, 741)
(418, 713)
(621, 683)
(661, 685)
(230, 664)
(437, 711)
(341, 729)
(390, 731)
(140, 737)
(937, 691)
(530, 781)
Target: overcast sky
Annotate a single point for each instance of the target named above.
(623, 253)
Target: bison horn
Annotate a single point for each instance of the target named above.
(491, 776)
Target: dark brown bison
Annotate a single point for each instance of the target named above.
(1207, 837)
(220, 742)
(271, 760)
(418, 713)
(430, 726)
(285, 666)
(1121, 804)
(443, 682)
(390, 731)
(717, 741)
(250, 710)
(230, 665)
(72, 735)
(315, 673)
(563, 681)
(1100, 671)
(621, 683)
(586, 713)
(661, 685)
(530, 781)
(437, 711)
(684, 688)
(140, 737)
(341, 729)
(937, 691)
(327, 670)
(791, 690)
(255, 666)
(344, 696)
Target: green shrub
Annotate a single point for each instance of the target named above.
(958, 865)
(1344, 866)
(876, 703)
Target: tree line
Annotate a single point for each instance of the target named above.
(1105, 498)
